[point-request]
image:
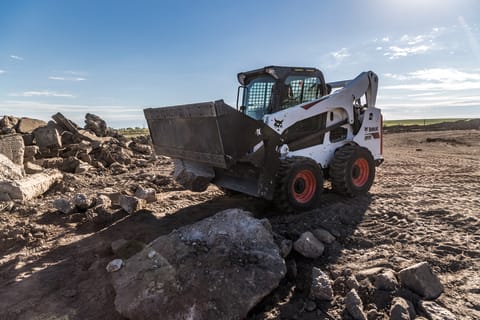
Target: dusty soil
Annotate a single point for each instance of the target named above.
(424, 206)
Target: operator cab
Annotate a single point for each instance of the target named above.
(275, 88)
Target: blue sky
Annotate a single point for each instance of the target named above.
(113, 58)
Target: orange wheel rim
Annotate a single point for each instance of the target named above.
(304, 186)
(360, 172)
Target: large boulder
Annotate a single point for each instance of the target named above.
(218, 268)
(12, 146)
(96, 124)
(9, 170)
(47, 137)
(27, 125)
(30, 186)
(420, 279)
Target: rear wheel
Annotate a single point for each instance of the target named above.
(352, 170)
(299, 184)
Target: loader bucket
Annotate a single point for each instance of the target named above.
(212, 133)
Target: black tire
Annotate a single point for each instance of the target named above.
(299, 184)
(352, 170)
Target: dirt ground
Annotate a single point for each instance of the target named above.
(424, 206)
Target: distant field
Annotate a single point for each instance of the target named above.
(420, 122)
(133, 132)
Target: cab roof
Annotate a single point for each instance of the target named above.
(278, 73)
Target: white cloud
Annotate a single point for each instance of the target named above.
(395, 52)
(446, 79)
(67, 78)
(409, 45)
(76, 73)
(41, 93)
(16, 57)
(340, 55)
(2, 71)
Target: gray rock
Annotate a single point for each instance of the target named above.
(402, 309)
(31, 186)
(420, 279)
(27, 125)
(114, 265)
(9, 170)
(308, 246)
(131, 204)
(217, 268)
(32, 168)
(193, 175)
(103, 201)
(8, 122)
(323, 236)
(351, 282)
(12, 147)
(354, 305)
(30, 152)
(114, 196)
(96, 124)
(435, 311)
(64, 205)
(141, 148)
(321, 285)
(82, 201)
(47, 137)
(147, 194)
(385, 280)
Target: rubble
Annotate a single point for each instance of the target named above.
(9, 170)
(12, 146)
(96, 124)
(31, 186)
(187, 273)
(385, 280)
(82, 201)
(32, 168)
(321, 286)
(402, 309)
(436, 312)
(420, 279)
(114, 265)
(308, 246)
(131, 204)
(64, 205)
(147, 194)
(354, 305)
(28, 125)
(47, 137)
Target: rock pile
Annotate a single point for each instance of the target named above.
(34, 154)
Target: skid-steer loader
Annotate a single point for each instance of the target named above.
(291, 131)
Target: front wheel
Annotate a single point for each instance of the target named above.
(299, 184)
(352, 170)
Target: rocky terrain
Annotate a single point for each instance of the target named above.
(93, 226)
